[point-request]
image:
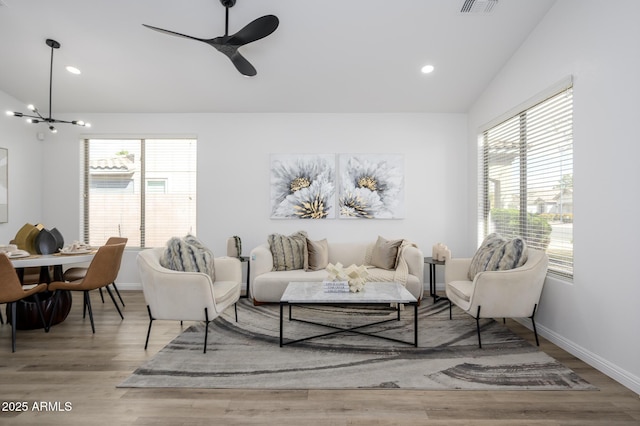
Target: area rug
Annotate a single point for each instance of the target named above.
(246, 354)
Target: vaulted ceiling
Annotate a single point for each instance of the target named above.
(326, 55)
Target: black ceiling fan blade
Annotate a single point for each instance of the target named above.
(255, 30)
(242, 64)
(173, 33)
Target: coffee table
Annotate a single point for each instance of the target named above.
(375, 293)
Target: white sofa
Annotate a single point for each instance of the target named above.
(267, 285)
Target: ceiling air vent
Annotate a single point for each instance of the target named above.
(477, 6)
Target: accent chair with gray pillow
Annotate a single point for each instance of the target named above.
(184, 282)
(504, 279)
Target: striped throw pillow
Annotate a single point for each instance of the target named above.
(497, 253)
(289, 252)
(188, 254)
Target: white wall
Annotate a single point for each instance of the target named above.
(25, 170)
(596, 316)
(233, 173)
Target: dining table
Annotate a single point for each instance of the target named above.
(51, 269)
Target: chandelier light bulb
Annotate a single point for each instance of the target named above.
(32, 108)
(53, 129)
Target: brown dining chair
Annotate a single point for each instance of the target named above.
(11, 292)
(101, 272)
(78, 273)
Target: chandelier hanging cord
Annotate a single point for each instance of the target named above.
(39, 118)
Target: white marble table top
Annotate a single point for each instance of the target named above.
(52, 260)
(374, 292)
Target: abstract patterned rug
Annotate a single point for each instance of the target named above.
(246, 354)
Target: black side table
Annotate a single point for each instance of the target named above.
(432, 278)
(244, 259)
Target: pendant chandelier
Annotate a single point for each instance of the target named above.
(35, 116)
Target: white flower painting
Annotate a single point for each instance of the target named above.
(303, 186)
(371, 186)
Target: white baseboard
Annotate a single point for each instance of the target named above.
(618, 374)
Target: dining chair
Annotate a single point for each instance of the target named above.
(11, 292)
(101, 272)
(78, 273)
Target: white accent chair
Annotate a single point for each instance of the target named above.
(513, 293)
(188, 296)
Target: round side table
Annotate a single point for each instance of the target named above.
(432, 278)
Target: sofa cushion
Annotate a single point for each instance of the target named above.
(188, 254)
(385, 253)
(289, 252)
(497, 253)
(317, 254)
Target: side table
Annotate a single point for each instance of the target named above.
(244, 259)
(432, 278)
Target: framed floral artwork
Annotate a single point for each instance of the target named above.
(371, 186)
(303, 186)
(4, 185)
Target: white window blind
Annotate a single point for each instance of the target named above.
(142, 189)
(526, 178)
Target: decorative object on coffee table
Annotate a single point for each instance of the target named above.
(354, 275)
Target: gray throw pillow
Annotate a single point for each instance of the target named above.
(497, 253)
(385, 253)
(289, 252)
(318, 255)
(188, 254)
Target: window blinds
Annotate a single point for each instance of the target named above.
(526, 178)
(142, 189)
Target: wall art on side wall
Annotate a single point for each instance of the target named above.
(4, 185)
(303, 186)
(371, 186)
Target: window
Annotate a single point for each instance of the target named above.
(526, 177)
(156, 186)
(142, 189)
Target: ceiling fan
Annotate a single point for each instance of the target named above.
(229, 44)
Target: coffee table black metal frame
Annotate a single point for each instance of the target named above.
(356, 329)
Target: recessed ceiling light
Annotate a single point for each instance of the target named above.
(427, 69)
(73, 70)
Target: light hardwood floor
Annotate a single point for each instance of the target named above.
(71, 366)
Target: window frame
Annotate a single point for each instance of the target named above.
(142, 187)
(559, 267)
